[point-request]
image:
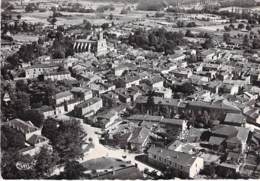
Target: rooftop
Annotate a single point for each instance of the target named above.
(45, 108)
(43, 66)
(79, 90)
(180, 158)
(225, 130)
(63, 94)
(35, 139)
(162, 101)
(213, 140)
(88, 102)
(139, 135)
(57, 73)
(21, 125)
(234, 118)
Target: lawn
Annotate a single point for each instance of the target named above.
(104, 163)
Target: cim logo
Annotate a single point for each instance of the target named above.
(25, 166)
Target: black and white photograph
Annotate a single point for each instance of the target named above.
(130, 89)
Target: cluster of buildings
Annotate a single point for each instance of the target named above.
(184, 111)
(142, 106)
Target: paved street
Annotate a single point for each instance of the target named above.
(100, 150)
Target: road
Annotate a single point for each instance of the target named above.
(100, 150)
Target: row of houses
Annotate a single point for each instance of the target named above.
(178, 105)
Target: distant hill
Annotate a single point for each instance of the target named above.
(173, 2)
(159, 4)
(241, 3)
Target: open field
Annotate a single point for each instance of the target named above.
(25, 37)
(74, 18)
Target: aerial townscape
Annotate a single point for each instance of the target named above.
(130, 89)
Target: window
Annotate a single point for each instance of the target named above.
(154, 156)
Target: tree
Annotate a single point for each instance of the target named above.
(188, 88)
(241, 26)
(105, 26)
(34, 116)
(19, 17)
(205, 136)
(206, 118)
(21, 85)
(256, 43)
(69, 51)
(226, 37)
(61, 69)
(191, 24)
(30, 7)
(73, 170)
(248, 28)
(168, 173)
(60, 29)
(246, 41)
(40, 41)
(25, 26)
(62, 47)
(58, 53)
(13, 139)
(124, 11)
(169, 47)
(226, 28)
(46, 161)
(52, 20)
(4, 141)
(208, 43)
(87, 24)
(50, 90)
(180, 24)
(9, 169)
(5, 5)
(110, 17)
(189, 33)
(212, 170)
(159, 14)
(150, 101)
(8, 163)
(66, 138)
(158, 40)
(21, 103)
(231, 26)
(50, 128)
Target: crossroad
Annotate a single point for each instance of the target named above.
(100, 150)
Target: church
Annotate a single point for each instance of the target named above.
(98, 46)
